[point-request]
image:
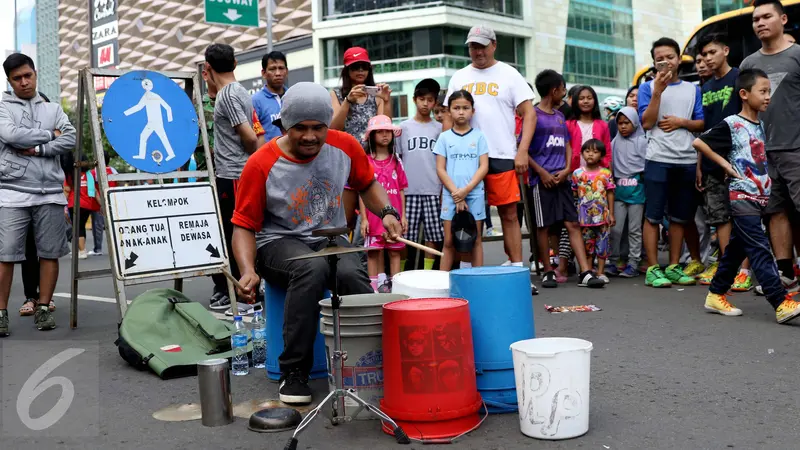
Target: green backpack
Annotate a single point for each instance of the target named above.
(161, 319)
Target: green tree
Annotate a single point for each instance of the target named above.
(86, 143)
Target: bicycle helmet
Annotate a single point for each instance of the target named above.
(613, 103)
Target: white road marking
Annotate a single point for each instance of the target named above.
(92, 298)
(89, 297)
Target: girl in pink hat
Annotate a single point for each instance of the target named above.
(389, 173)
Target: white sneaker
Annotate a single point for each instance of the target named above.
(604, 278)
(506, 264)
(82, 255)
(491, 232)
(791, 286)
(94, 253)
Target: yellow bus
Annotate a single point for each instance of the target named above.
(738, 25)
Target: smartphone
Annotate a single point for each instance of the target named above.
(662, 66)
(372, 90)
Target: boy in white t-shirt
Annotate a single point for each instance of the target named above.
(499, 91)
(415, 148)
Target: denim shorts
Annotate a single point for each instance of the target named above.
(670, 187)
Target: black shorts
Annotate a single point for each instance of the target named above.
(717, 200)
(553, 206)
(784, 170)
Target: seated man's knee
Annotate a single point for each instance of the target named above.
(314, 268)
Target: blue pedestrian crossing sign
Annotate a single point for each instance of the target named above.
(150, 121)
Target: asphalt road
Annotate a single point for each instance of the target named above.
(664, 375)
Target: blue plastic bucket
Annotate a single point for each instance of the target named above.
(274, 298)
(501, 312)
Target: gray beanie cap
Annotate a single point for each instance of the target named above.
(306, 101)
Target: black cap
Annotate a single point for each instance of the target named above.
(427, 86)
(465, 231)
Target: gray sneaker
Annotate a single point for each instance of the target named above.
(220, 301)
(4, 323)
(44, 319)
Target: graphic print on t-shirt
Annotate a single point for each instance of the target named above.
(781, 118)
(391, 175)
(592, 188)
(482, 88)
(315, 202)
(775, 80)
(721, 96)
(742, 143)
(749, 159)
(549, 144)
(420, 143)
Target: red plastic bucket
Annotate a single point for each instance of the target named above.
(429, 368)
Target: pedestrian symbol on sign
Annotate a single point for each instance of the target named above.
(152, 103)
(159, 139)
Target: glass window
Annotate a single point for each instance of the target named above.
(337, 8)
(601, 24)
(400, 106)
(418, 43)
(714, 7)
(597, 67)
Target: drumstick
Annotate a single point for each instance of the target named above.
(424, 248)
(233, 280)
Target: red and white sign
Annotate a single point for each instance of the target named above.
(105, 55)
(102, 83)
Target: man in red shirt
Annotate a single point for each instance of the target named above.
(290, 187)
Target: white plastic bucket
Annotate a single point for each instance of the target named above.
(422, 284)
(552, 378)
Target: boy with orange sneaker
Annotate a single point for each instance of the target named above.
(740, 138)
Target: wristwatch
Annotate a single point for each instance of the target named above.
(389, 209)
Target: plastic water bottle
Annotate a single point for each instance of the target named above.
(259, 341)
(240, 364)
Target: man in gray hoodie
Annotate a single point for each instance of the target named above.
(33, 136)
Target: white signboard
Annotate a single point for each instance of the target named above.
(160, 229)
(105, 32)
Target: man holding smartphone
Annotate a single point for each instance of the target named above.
(671, 110)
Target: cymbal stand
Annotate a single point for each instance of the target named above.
(336, 398)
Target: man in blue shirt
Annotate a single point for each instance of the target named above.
(267, 101)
